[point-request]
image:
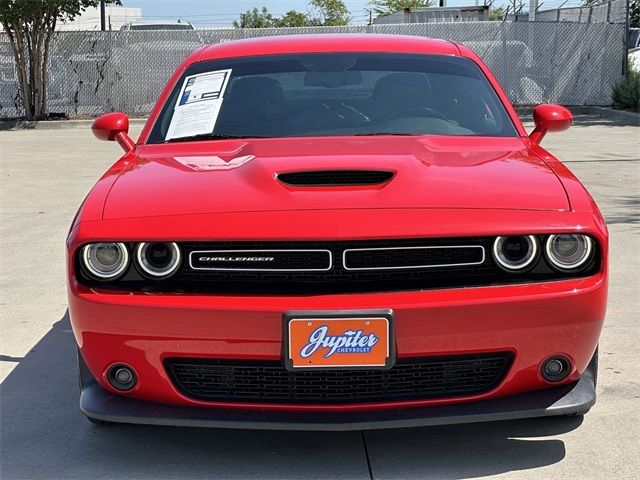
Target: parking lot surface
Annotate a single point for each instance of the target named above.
(44, 177)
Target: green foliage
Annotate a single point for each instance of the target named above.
(30, 25)
(324, 12)
(386, 7)
(293, 19)
(34, 11)
(496, 14)
(330, 12)
(634, 13)
(626, 92)
(255, 19)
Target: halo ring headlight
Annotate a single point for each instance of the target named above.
(515, 253)
(568, 251)
(158, 259)
(105, 260)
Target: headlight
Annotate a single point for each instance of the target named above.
(105, 261)
(568, 251)
(158, 260)
(515, 253)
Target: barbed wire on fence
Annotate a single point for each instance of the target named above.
(608, 12)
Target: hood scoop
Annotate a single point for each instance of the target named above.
(335, 178)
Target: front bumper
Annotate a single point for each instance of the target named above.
(568, 399)
(533, 321)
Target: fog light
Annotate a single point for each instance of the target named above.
(122, 377)
(555, 369)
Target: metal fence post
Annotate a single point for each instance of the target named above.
(625, 64)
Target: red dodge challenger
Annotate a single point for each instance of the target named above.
(336, 232)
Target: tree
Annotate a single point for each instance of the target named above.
(329, 13)
(496, 14)
(325, 12)
(255, 19)
(30, 25)
(634, 13)
(293, 19)
(387, 7)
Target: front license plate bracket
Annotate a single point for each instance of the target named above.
(338, 340)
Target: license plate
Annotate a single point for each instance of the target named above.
(338, 340)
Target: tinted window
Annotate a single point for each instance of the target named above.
(350, 94)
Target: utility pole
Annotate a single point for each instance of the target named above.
(103, 22)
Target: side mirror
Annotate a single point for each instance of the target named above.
(113, 126)
(549, 118)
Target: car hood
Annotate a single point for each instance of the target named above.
(241, 176)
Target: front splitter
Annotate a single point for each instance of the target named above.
(578, 397)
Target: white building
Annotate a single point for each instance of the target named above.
(115, 17)
(437, 15)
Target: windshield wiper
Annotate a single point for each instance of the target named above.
(210, 136)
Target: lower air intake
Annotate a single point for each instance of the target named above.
(409, 379)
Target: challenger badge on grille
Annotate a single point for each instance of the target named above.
(261, 260)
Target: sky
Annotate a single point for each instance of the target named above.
(211, 13)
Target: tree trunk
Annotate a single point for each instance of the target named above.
(17, 47)
(45, 61)
(30, 42)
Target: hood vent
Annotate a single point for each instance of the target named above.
(334, 178)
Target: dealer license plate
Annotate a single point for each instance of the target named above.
(334, 340)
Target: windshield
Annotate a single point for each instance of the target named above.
(332, 95)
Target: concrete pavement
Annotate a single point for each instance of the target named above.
(44, 174)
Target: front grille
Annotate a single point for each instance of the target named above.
(270, 382)
(329, 178)
(412, 257)
(333, 267)
(360, 273)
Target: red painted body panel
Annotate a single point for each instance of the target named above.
(534, 321)
(444, 187)
(430, 172)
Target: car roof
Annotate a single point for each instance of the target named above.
(284, 44)
(161, 22)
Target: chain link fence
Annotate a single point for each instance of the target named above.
(95, 72)
(610, 12)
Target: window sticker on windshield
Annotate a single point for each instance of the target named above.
(198, 104)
